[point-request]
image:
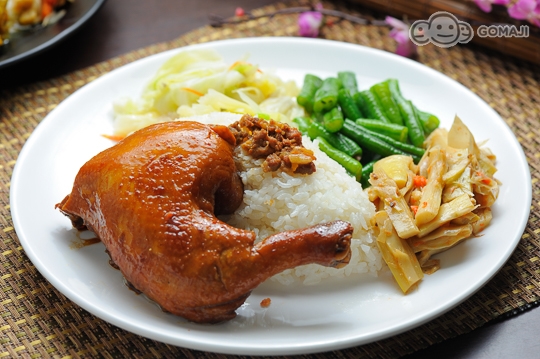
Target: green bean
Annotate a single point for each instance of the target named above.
(317, 117)
(416, 130)
(360, 104)
(410, 149)
(368, 141)
(347, 104)
(338, 140)
(305, 98)
(369, 156)
(410, 118)
(326, 96)
(397, 132)
(348, 81)
(429, 121)
(333, 119)
(388, 105)
(368, 105)
(350, 164)
(366, 172)
(303, 123)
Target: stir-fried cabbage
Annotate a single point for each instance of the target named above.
(199, 82)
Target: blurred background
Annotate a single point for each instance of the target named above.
(117, 27)
(120, 26)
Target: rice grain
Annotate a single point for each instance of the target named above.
(277, 201)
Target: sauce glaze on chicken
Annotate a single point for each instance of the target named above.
(153, 198)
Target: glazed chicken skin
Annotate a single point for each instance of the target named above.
(153, 198)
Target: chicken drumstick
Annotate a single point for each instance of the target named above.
(152, 200)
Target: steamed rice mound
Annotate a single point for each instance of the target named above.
(276, 201)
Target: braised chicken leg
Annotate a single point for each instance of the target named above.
(153, 198)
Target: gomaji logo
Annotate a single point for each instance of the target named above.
(445, 30)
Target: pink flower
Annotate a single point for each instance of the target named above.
(309, 22)
(526, 10)
(485, 5)
(400, 33)
(239, 12)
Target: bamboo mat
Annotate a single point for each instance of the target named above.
(38, 321)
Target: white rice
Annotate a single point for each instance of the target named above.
(276, 201)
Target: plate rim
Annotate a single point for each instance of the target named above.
(220, 348)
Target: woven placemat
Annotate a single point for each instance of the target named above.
(38, 321)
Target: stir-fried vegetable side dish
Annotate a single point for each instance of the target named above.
(432, 188)
(363, 125)
(199, 82)
(428, 208)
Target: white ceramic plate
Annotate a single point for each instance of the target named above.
(329, 316)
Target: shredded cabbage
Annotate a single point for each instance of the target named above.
(199, 82)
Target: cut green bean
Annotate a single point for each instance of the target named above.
(360, 104)
(386, 101)
(410, 118)
(303, 124)
(416, 130)
(410, 149)
(368, 105)
(369, 156)
(397, 132)
(305, 98)
(338, 140)
(429, 121)
(350, 164)
(368, 141)
(326, 96)
(348, 81)
(317, 117)
(333, 119)
(366, 172)
(347, 104)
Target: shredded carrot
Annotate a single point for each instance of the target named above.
(414, 209)
(46, 9)
(419, 181)
(424, 204)
(114, 137)
(192, 91)
(236, 63)
(232, 67)
(484, 179)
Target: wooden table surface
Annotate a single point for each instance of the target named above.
(121, 26)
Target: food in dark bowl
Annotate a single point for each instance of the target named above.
(28, 15)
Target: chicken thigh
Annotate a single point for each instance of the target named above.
(153, 198)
